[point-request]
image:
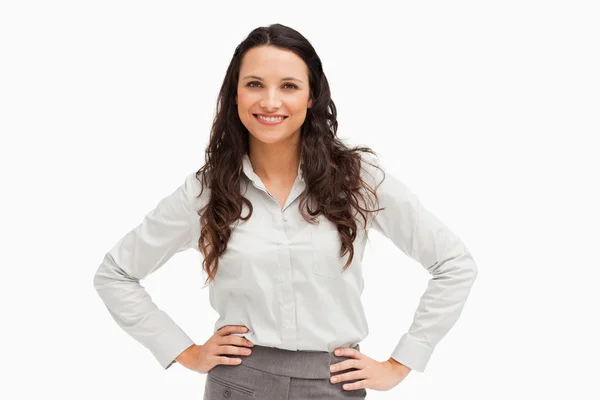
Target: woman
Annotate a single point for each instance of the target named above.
(280, 212)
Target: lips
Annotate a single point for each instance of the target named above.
(270, 120)
(270, 115)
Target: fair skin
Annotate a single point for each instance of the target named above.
(371, 374)
(274, 82)
(265, 88)
(203, 358)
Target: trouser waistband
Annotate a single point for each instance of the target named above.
(298, 364)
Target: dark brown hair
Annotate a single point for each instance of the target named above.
(331, 170)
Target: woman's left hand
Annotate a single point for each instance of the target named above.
(377, 375)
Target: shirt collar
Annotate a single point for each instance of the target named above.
(249, 171)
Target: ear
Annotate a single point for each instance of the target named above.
(309, 103)
(236, 99)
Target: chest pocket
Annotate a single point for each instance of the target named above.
(326, 244)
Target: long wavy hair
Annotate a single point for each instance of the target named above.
(331, 170)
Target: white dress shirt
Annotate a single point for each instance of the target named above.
(281, 276)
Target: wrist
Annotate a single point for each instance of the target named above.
(398, 366)
(186, 353)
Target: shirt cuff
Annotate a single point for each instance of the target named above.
(169, 345)
(412, 353)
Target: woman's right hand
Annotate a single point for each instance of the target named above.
(203, 358)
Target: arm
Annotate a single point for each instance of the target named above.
(163, 232)
(424, 238)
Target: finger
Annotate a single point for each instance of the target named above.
(234, 350)
(362, 384)
(228, 360)
(349, 352)
(229, 329)
(344, 365)
(348, 376)
(235, 340)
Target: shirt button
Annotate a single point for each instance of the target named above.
(227, 393)
(285, 218)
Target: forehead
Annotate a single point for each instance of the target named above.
(272, 62)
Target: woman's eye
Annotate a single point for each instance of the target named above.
(257, 84)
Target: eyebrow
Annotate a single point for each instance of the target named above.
(289, 78)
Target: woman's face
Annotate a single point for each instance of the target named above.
(273, 82)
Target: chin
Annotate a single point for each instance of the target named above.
(269, 139)
(270, 136)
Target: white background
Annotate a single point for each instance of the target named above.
(489, 111)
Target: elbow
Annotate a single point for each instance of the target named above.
(472, 271)
(108, 273)
(466, 263)
(470, 267)
(100, 276)
(459, 265)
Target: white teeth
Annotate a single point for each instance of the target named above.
(270, 119)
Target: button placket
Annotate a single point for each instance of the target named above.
(325, 240)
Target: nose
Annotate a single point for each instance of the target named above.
(271, 101)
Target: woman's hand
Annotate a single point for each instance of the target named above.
(203, 358)
(377, 375)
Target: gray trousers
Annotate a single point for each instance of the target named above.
(276, 374)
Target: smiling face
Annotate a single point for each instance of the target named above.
(273, 95)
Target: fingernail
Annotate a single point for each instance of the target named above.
(247, 351)
(334, 379)
(332, 368)
(337, 352)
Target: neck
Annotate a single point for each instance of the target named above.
(275, 162)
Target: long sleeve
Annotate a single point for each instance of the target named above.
(163, 232)
(424, 238)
